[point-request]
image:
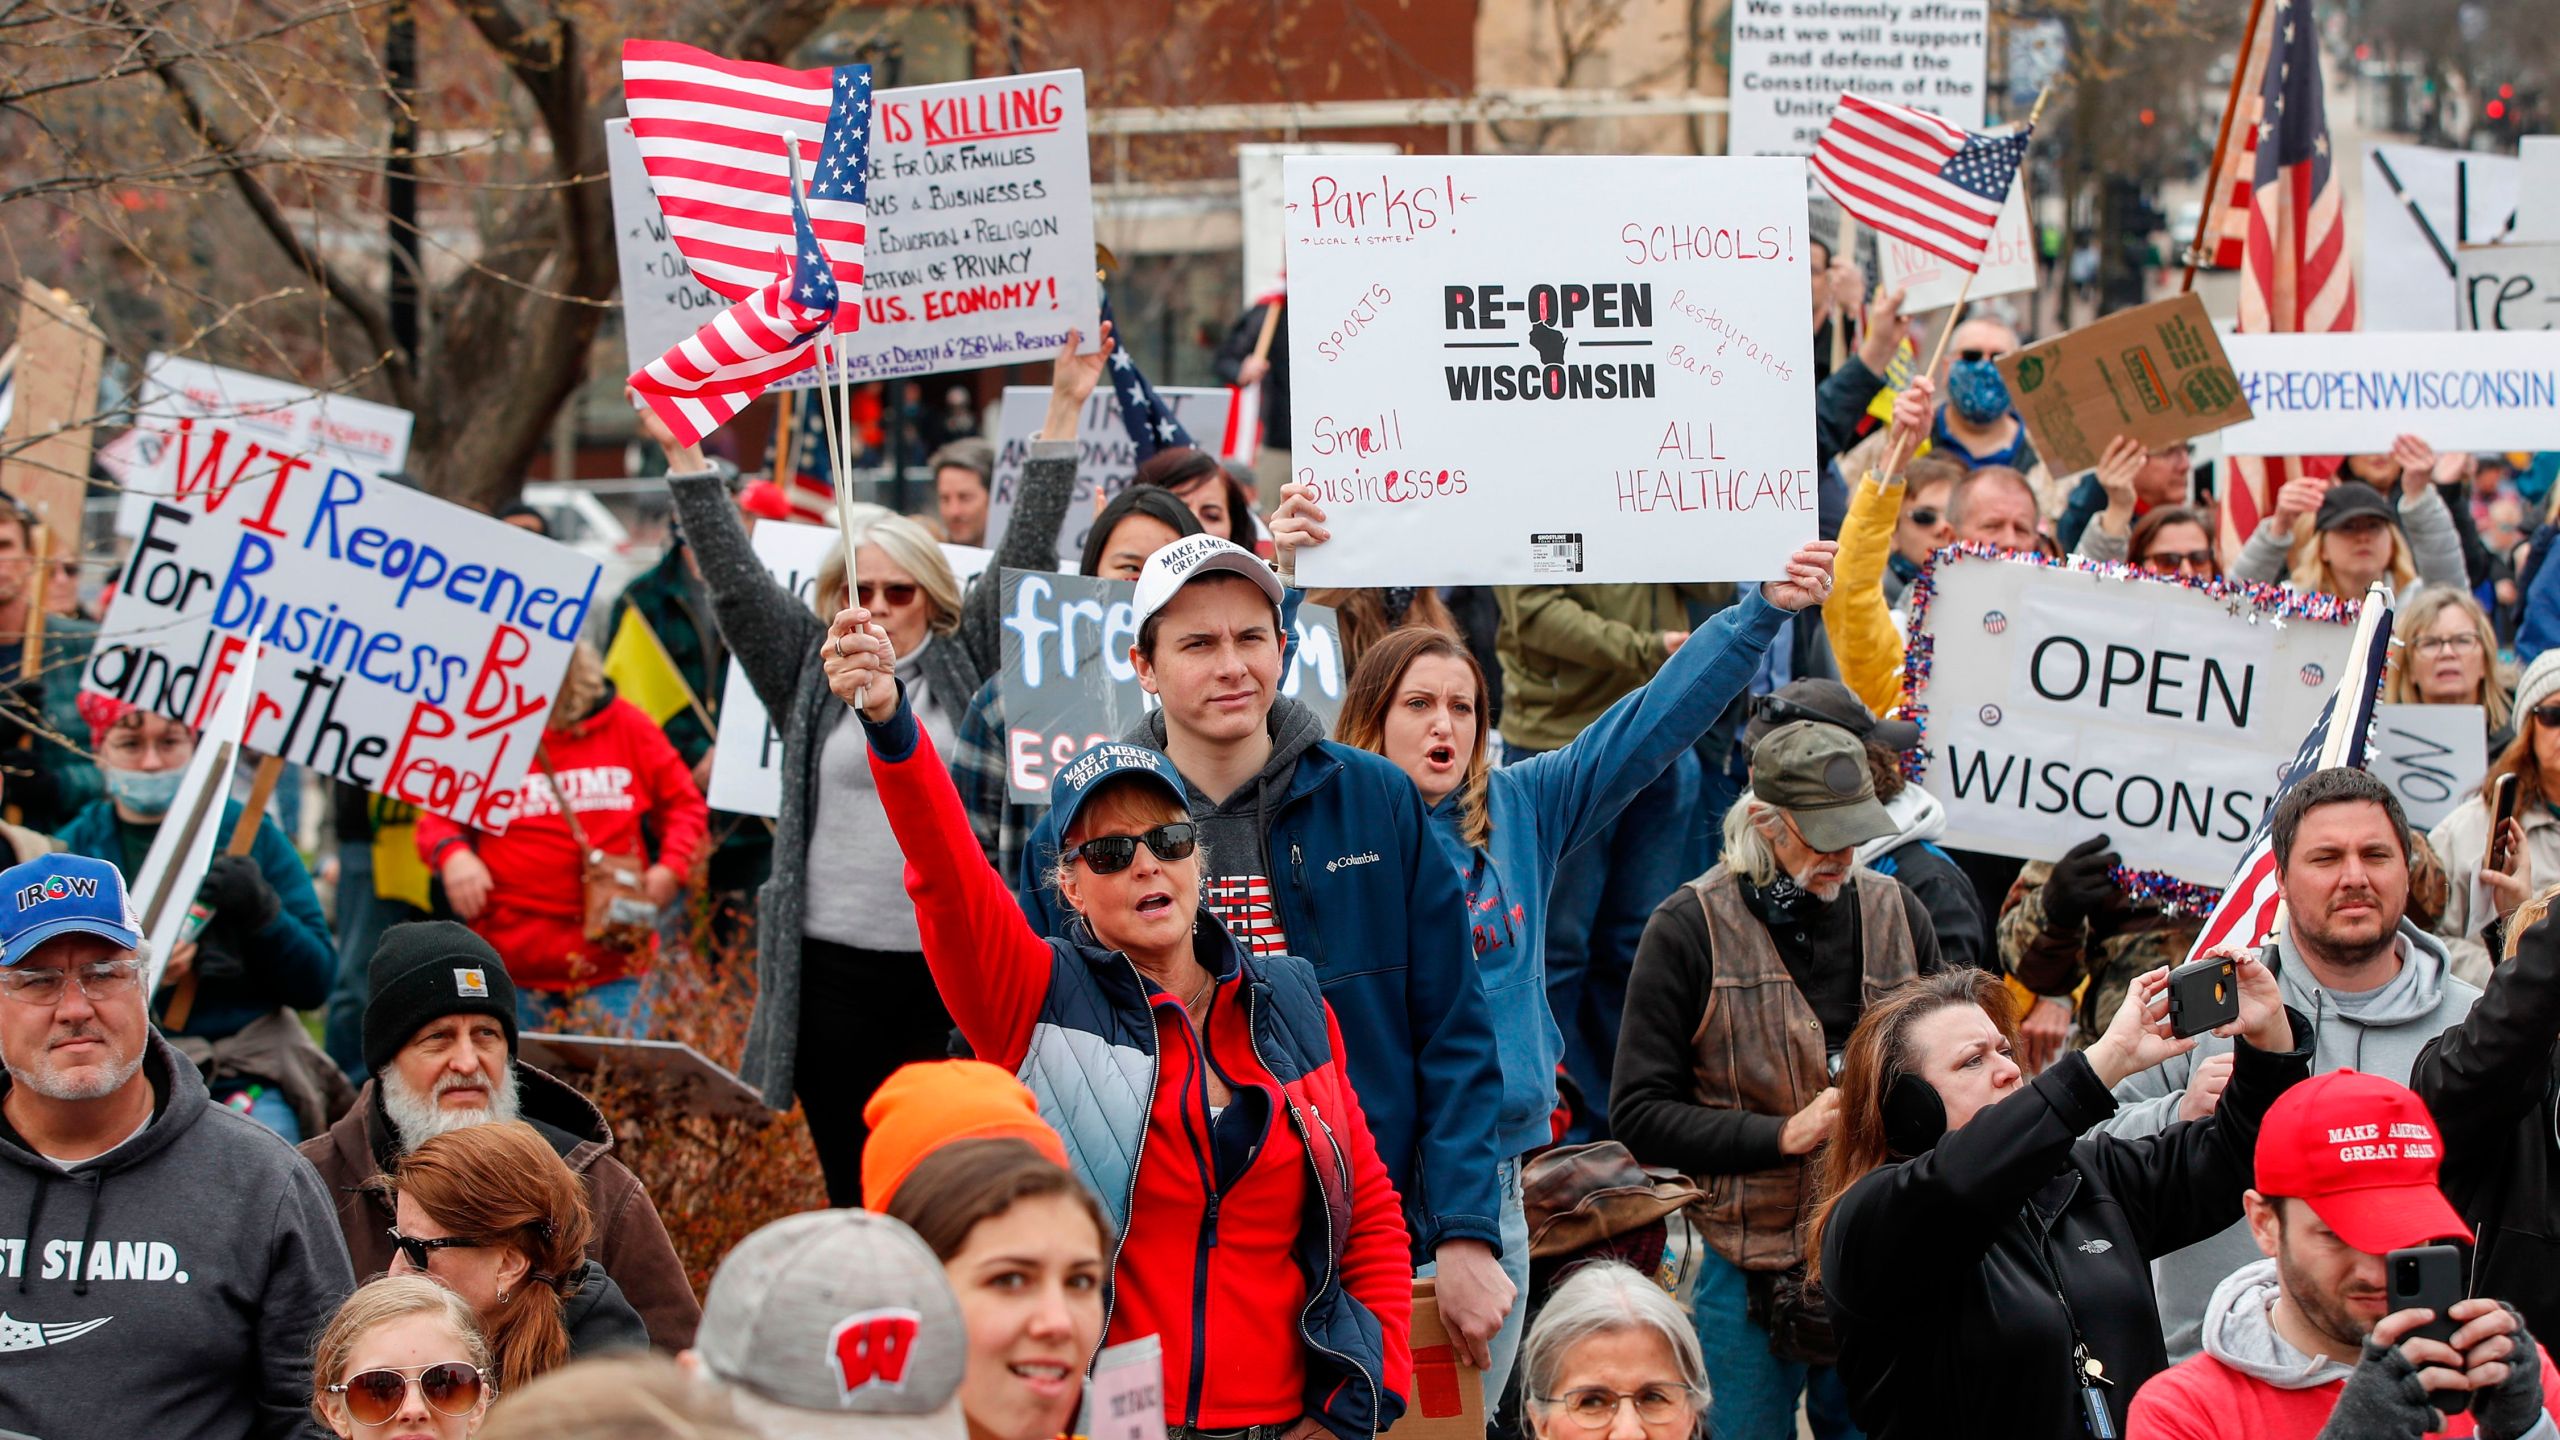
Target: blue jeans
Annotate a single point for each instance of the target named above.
(612, 1008)
(1515, 1263)
(263, 1103)
(1754, 1392)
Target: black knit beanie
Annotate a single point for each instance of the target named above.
(424, 971)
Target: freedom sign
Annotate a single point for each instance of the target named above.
(1068, 680)
(2063, 701)
(1525, 370)
(412, 647)
(1106, 458)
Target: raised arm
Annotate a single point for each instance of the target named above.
(1040, 506)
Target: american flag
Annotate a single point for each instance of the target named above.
(704, 381)
(2294, 274)
(712, 134)
(1918, 178)
(1148, 419)
(2248, 908)
(2226, 228)
(811, 485)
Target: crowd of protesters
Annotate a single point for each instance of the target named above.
(1597, 964)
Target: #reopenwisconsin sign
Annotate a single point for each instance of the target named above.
(2065, 702)
(1524, 369)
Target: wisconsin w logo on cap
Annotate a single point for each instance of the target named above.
(872, 1348)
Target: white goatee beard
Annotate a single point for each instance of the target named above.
(417, 1119)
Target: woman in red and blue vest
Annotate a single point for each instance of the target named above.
(1200, 1090)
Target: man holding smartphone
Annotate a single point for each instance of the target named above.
(2320, 1340)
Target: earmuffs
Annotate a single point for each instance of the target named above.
(1915, 1118)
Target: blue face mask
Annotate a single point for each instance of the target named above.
(1977, 392)
(147, 793)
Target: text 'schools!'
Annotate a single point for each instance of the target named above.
(413, 646)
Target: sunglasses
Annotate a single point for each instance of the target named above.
(1980, 354)
(896, 593)
(2172, 559)
(451, 1388)
(1923, 516)
(2547, 716)
(1111, 854)
(418, 1250)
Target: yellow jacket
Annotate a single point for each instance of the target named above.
(1856, 617)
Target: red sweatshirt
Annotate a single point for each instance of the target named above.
(2202, 1398)
(618, 770)
(1236, 1358)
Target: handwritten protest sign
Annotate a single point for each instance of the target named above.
(412, 646)
(2507, 287)
(1792, 61)
(2066, 700)
(2353, 393)
(1106, 457)
(1928, 282)
(282, 418)
(2155, 372)
(2414, 226)
(1068, 681)
(2432, 756)
(1125, 1398)
(1523, 369)
(1260, 194)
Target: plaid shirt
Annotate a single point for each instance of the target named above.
(978, 770)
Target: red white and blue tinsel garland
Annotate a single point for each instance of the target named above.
(2277, 604)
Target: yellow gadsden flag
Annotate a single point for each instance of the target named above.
(640, 668)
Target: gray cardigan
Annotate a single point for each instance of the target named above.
(775, 638)
(2435, 546)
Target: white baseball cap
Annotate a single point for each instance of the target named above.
(1191, 557)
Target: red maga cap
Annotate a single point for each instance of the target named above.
(2362, 1152)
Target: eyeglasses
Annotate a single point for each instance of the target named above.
(1922, 516)
(2463, 644)
(2547, 716)
(896, 593)
(2180, 451)
(419, 1250)
(1595, 1407)
(1980, 354)
(99, 980)
(1111, 854)
(450, 1388)
(2173, 559)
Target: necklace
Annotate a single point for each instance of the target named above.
(1207, 986)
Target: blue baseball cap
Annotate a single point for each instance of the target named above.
(55, 895)
(1101, 763)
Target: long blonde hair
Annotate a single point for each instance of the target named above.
(2309, 569)
(2416, 619)
(378, 1303)
(913, 548)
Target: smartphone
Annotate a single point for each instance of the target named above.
(2203, 995)
(2502, 808)
(2429, 1277)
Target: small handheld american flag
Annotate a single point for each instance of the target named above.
(704, 381)
(1143, 413)
(1917, 178)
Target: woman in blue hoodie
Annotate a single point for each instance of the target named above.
(1417, 698)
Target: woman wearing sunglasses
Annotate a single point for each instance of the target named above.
(1199, 1089)
(2528, 844)
(403, 1359)
(2174, 540)
(493, 1213)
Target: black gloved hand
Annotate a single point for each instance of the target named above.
(2382, 1400)
(221, 954)
(238, 894)
(2515, 1405)
(2080, 886)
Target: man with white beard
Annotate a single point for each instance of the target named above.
(440, 1037)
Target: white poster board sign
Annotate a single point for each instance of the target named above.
(2432, 756)
(2413, 229)
(173, 869)
(979, 246)
(1125, 1398)
(1259, 188)
(1928, 282)
(2507, 287)
(1533, 370)
(279, 416)
(2065, 702)
(412, 647)
(1792, 61)
(2353, 393)
(1106, 457)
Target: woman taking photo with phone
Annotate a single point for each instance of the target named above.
(2497, 844)
(1972, 1227)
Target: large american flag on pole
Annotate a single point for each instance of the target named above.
(712, 135)
(1918, 178)
(2294, 275)
(708, 378)
(2246, 914)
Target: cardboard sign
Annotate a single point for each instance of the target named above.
(1259, 193)
(412, 647)
(2415, 224)
(1791, 62)
(1930, 283)
(2156, 372)
(2063, 701)
(1448, 1394)
(1068, 682)
(44, 462)
(1106, 458)
(1523, 370)
(2507, 287)
(282, 418)
(2353, 393)
(2432, 756)
(1124, 1400)
(979, 246)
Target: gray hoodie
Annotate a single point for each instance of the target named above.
(2379, 1032)
(213, 1260)
(2240, 1331)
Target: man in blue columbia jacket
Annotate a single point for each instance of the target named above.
(1325, 852)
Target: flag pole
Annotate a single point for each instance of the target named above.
(2222, 139)
(835, 411)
